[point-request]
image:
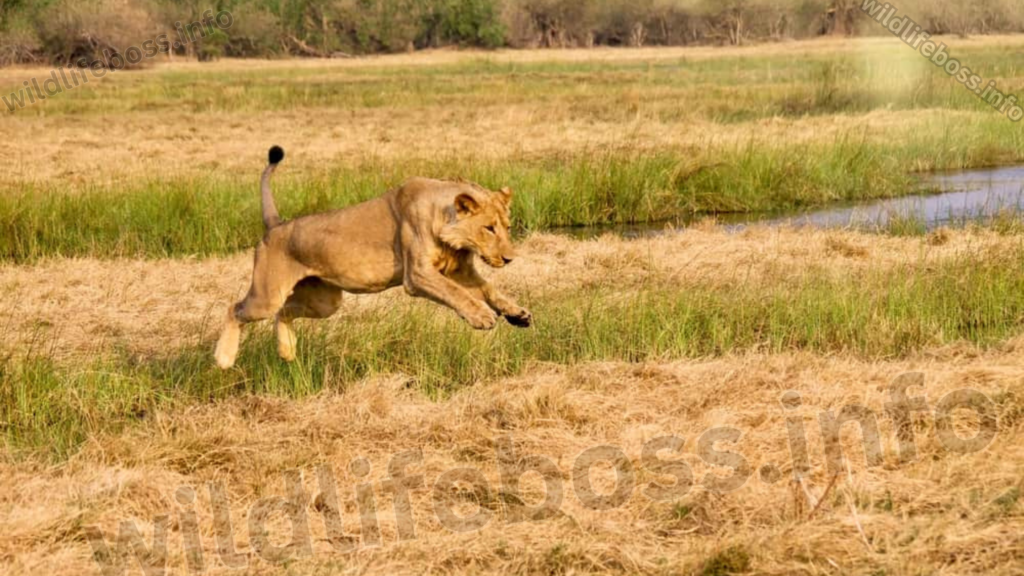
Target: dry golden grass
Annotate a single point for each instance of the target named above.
(92, 151)
(82, 307)
(939, 514)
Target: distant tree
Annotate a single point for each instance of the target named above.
(65, 30)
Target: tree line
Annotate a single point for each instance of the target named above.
(65, 31)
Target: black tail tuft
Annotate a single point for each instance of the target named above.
(270, 216)
(276, 155)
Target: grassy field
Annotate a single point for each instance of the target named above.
(931, 297)
(162, 162)
(125, 229)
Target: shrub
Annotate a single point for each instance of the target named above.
(463, 22)
(66, 30)
(93, 30)
(19, 41)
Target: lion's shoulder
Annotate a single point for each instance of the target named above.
(418, 193)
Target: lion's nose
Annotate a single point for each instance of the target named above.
(506, 260)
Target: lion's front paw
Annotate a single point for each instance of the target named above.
(482, 319)
(521, 319)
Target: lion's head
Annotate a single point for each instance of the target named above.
(481, 225)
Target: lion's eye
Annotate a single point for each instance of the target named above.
(490, 229)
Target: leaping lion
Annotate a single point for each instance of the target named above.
(423, 235)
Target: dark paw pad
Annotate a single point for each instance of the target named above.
(523, 320)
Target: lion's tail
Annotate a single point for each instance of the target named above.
(270, 215)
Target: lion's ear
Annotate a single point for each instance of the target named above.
(506, 194)
(466, 204)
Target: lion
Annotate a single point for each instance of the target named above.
(424, 236)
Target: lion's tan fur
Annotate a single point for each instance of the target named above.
(424, 235)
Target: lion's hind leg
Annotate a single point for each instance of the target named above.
(227, 344)
(274, 277)
(312, 298)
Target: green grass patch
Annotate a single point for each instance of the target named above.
(52, 407)
(214, 215)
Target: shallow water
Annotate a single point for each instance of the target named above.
(975, 195)
(968, 196)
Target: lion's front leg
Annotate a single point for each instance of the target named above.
(425, 282)
(515, 314)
